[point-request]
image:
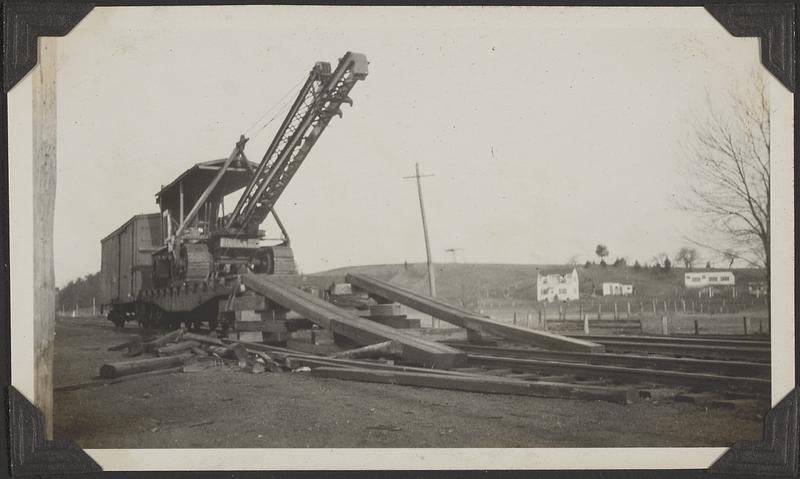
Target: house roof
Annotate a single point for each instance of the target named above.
(558, 271)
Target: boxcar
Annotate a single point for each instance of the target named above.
(126, 264)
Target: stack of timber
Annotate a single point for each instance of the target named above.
(724, 349)
(361, 331)
(390, 292)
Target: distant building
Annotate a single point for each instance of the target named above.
(557, 285)
(705, 278)
(617, 289)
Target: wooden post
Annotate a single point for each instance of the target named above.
(93, 307)
(616, 315)
(760, 326)
(528, 320)
(44, 193)
(580, 311)
(654, 306)
(664, 326)
(629, 310)
(599, 310)
(515, 318)
(586, 323)
(744, 323)
(696, 328)
(683, 305)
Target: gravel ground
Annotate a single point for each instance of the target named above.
(223, 407)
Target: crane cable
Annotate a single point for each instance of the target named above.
(273, 107)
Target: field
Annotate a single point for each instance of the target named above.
(224, 407)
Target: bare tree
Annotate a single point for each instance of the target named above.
(687, 256)
(730, 256)
(729, 175)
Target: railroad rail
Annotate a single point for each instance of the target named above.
(709, 366)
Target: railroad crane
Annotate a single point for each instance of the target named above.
(207, 243)
(177, 265)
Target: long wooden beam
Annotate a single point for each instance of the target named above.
(469, 320)
(481, 384)
(358, 329)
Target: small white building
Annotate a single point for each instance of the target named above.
(557, 285)
(706, 278)
(617, 289)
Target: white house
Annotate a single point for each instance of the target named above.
(705, 278)
(557, 285)
(617, 289)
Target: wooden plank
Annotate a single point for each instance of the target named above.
(124, 368)
(44, 194)
(360, 330)
(481, 385)
(469, 320)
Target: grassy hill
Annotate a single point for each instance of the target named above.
(462, 282)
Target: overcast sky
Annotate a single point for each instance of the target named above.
(548, 130)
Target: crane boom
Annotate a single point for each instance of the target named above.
(319, 100)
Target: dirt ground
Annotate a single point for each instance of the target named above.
(222, 407)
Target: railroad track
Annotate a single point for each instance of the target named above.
(721, 372)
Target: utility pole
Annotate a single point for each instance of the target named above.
(431, 275)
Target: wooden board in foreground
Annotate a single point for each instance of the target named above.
(481, 385)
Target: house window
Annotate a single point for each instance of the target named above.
(713, 279)
(695, 280)
(562, 291)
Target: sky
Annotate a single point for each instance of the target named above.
(547, 130)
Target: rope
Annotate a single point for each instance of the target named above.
(273, 107)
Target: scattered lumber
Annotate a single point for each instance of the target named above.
(467, 319)
(177, 348)
(124, 368)
(481, 385)
(386, 348)
(103, 382)
(165, 339)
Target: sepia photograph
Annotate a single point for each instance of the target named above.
(401, 229)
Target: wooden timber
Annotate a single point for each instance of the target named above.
(480, 385)
(706, 382)
(386, 348)
(469, 320)
(359, 330)
(711, 366)
(177, 347)
(124, 368)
